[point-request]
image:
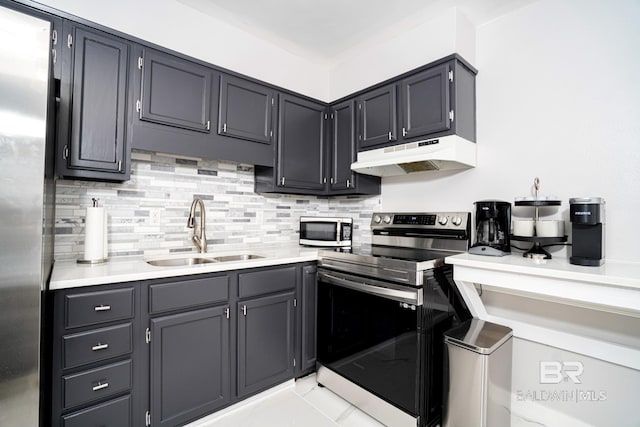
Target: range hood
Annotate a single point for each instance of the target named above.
(443, 153)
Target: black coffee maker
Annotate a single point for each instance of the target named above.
(493, 225)
(587, 230)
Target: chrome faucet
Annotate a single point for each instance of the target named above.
(199, 239)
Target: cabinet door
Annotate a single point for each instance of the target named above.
(301, 159)
(175, 92)
(246, 110)
(309, 298)
(98, 108)
(426, 102)
(189, 365)
(265, 342)
(378, 117)
(343, 147)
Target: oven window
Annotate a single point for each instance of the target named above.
(322, 231)
(373, 341)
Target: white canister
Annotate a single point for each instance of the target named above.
(523, 227)
(550, 228)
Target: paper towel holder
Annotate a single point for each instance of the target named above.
(94, 203)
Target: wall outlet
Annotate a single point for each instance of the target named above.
(154, 216)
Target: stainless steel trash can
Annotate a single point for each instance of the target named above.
(478, 390)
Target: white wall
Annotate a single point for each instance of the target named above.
(187, 30)
(558, 98)
(446, 33)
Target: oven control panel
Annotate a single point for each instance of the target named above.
(431, 220)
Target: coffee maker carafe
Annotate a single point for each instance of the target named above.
(493, 224)
(587, 229)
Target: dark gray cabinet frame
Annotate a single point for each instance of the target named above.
(279, 300)
(378, 116)
(92, 131)
(246, 110)
(247, 143)
(175, 92)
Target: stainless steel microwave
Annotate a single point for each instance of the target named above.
(325, 231)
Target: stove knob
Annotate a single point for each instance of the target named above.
(387, 219)
(456, 220)
(443, 220)
(377, 219)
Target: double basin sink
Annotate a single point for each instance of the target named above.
(200, 259)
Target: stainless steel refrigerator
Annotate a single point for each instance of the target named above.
(26, 210)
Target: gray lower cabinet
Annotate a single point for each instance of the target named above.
(93, 357)
(308, 295)
(265, 342)
(168, 351)
(92, 121)
(189, 365)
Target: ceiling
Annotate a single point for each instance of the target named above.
(326, 29)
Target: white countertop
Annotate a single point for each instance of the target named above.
(593, 311)
(621, 274)
(70, 274)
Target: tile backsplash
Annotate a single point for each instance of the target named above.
(148, 214)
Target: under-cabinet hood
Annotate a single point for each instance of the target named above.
(443, 153)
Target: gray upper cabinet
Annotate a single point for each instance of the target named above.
(301, 155)
(246, 110)
(175, 92)
(343, 146)
(378, 117)
(426, 102)
(179, 103)
(436, 100)
(93, 106)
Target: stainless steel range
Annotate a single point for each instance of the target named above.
(382, 312)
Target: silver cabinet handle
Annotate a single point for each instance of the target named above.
(100, 347)
(102, 307)
(404, 132)
(100, 386)
(390, 136)
(244, 310)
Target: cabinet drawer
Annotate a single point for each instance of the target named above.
(97, 344)
(91, 308)
(266, 281)
(97, 383)
(188, 293)
(114, 413)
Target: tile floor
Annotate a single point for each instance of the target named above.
(302, 403)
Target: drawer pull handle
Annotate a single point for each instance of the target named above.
(100, 386)
(102, 307)
(100, 347)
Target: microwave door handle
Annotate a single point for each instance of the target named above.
(338, 230)
(407, 296)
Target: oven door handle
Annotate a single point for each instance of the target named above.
(409, 296)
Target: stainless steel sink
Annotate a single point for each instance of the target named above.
(241, 257)
(176, 262)
(199, 260)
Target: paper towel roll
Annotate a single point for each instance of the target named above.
(94, 234)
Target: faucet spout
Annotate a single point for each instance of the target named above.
(199, 237)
